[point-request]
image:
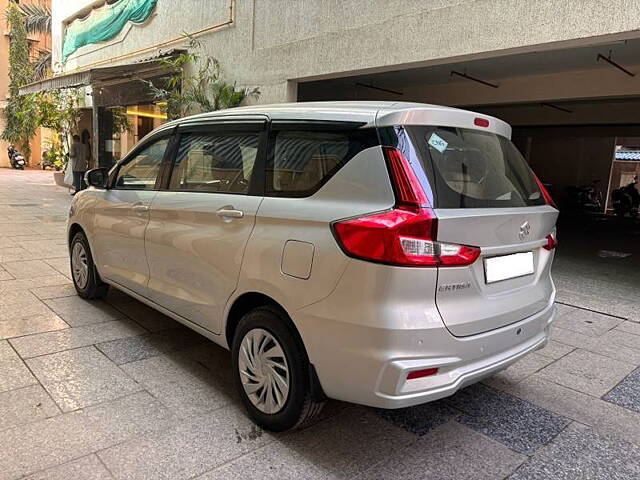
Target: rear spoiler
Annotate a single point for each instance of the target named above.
(443, 117)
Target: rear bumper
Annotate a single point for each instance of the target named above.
(369, 366)
(450, 378)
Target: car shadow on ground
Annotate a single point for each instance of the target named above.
(344, 437)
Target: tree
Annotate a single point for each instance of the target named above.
(37, 18)
(204, 91)
(20, 121)
(58, 110)
(120, 120)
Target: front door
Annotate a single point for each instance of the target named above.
(200, 225)
(122, 215)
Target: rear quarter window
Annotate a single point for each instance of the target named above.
(301, 160)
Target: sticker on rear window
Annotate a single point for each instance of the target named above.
(438, 143)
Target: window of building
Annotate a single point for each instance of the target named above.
(218, 163)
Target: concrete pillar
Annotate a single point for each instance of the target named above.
(284, 92)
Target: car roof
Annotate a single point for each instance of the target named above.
(371, 113)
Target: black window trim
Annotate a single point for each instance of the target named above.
(318, 125)
(169, 133)
(257, 182)
(265, 127)
(231, 126)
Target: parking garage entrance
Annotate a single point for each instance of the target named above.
(576, 118)
(575, 111)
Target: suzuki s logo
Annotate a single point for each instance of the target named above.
(525, 230)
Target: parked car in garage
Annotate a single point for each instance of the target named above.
(385, 254)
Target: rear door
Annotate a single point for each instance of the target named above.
(486, 196)
(201, 222)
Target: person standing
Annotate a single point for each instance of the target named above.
(10, 151)
(78, 156)
(85, 138)
(632, 191)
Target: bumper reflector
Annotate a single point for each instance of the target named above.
(427, 372)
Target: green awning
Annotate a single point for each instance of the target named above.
(104, 23)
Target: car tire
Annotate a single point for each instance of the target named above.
(271, 326)
(83, 271)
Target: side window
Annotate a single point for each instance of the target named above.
(300, 162)
(141, 172)
(215, 162)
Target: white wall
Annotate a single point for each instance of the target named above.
(273, 41)
(170, 19)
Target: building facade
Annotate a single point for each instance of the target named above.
(556, 69)
(37, 42)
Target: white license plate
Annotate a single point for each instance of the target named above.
(505, 267)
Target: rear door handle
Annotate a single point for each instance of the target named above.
(230, 212)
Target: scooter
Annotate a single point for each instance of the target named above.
(18, 161)
(47, 161)
(625, 202)
(585, 198)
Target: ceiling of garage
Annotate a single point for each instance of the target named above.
(591, 112)
(492, 69)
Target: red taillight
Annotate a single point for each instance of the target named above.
(545, 193)
(427, 372)
(481, 122)
(409, 192)
(390, 237)
(406, 235)
(552, 242)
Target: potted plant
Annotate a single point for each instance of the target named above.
(55, 158)
(59, 110)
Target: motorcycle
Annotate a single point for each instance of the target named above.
(18, 161)
(585, 198)
(626, 201)
(48, 161)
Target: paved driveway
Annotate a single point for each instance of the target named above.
(112, 389)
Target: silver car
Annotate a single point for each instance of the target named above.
(386, 254)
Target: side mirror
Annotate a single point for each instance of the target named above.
(98, 177)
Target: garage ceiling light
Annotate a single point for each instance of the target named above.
(614, 64)
(372, 87)
(473, 79)
(555, 107)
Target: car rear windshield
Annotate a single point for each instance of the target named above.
(473, 169)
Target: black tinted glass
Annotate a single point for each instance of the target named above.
(218, 163)
(301, 161)
(474, 169)
(141, 172)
